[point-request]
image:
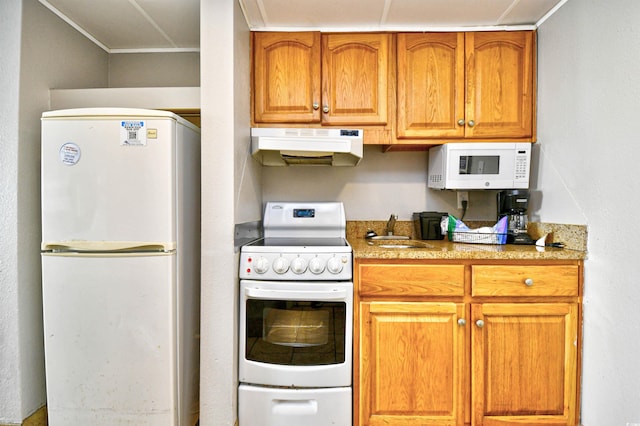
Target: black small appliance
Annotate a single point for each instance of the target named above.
(427, 225)
(514, 203)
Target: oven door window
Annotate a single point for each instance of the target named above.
(295, 332)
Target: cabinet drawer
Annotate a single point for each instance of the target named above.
(499, 280)
(411, 280)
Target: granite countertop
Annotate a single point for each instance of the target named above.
(573, 236)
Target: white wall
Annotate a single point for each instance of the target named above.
(382, 184)
(10, 29)
(154, 69)
(39, 52)
(589, 94)
(230, 194)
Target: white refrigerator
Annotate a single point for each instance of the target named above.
(121, 267)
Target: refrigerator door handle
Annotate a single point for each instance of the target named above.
(107, 247)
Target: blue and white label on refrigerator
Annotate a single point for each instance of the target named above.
(69, 153)
(133, 132)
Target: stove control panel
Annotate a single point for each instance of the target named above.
(296, 266)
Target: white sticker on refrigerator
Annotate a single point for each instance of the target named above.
(133, 132)
(69, 153)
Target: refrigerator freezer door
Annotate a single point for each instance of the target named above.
(110, 340)
(99, 184)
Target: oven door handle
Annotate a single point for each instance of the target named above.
(318, 296)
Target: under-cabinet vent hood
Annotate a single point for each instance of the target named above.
(287, 146)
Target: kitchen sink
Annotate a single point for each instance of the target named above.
(388, 237)
(401, 244)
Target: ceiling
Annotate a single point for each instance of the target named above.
(170, 25)
(134, 25)
(395, 15)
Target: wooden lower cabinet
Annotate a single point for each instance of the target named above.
(524, 363)
(411, 363)
(507, 354)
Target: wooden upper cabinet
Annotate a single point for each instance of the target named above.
(304, 77)
(430, 85)
(286, 77)
(446, 86)
(466, 85)
(355, 78)
(499, 98)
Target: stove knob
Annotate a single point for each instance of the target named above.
(281, 265)
(298, 265)
(316, 265)
(261, 266)
(334, 265)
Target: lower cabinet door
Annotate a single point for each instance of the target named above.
(411, 363)
(524, 364)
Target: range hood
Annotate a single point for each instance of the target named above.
(297, 146)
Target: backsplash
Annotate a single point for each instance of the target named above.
(358, 228)
(573, 236)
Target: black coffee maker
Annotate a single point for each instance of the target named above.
(514, 203)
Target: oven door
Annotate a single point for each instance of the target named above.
(296, 334)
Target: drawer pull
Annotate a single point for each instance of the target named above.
(480, 323)
(528, 282)
(462, 322)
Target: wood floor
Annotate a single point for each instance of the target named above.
(39, 418)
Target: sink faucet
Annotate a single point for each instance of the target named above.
(391, 224)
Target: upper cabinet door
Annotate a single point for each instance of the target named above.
(355, 78)
(431, 85)
(449, 86)
(286, 77)
(499, 84)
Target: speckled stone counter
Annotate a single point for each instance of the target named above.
(573, 236)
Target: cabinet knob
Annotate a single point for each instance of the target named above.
(325, 109)
(461, 122)
(472, 123)
(462, 322)
(528, 282)
(480, 323)
(316, 105)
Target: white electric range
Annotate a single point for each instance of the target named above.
(296, 315)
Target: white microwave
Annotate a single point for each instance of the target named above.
(471, 165)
